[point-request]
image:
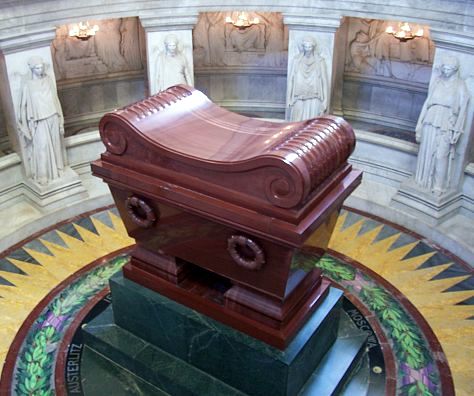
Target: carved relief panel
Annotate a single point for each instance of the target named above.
(242, 69)
(385, 79)
(372, 51)
(118, 46)
(107, 69)
(217, 43)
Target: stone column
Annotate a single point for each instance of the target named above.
(301, 103)
(37, 134)
(169, 44)
(444, 132)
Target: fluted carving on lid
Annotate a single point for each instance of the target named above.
(156, 103)
(324, 144)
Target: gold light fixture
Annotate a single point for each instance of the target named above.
(83, 30)
(242, 21)
(404, 32)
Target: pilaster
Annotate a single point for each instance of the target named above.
(323, 32)
(157, 29)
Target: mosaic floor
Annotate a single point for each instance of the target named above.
(414, 301)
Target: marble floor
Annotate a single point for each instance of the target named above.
(414, 300)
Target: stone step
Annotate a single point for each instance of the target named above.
(336, 368)
(118, 355)
(101, 376)
(359, 383)
(114, 349)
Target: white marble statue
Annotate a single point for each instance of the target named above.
(440, 126)
(308, 83)
(172, 67)
(41, 125)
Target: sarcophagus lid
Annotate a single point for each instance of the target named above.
(228, 166)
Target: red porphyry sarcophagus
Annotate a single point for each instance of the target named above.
(220, 203)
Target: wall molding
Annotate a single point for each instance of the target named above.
(387, 82)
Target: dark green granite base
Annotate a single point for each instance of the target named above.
(102, 376)
(158, 339)
(173, 377)
(114, 353)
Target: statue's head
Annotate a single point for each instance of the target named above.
(308, 44)
(171, 44)
(361, 37)
(449, 66)
(36, 65)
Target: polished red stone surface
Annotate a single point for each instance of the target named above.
(198, 186)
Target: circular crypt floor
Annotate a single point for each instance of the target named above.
(414, 301)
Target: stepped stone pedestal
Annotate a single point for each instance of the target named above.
(172, 349)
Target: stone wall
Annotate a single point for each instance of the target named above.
(84, 101)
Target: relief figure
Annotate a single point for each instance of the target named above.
(130, 47)
(107, 45)
(215, 38)
(361, 59)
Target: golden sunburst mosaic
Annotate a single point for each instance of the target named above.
(25, 290)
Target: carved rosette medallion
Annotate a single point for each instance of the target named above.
(245, 252)
(140, 212)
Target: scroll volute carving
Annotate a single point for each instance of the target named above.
(114, 138)
(315, 152)
(282, 190)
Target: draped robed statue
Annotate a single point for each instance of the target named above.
(308, 83)
(41, 125)
(172, 67)
(439, 127)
